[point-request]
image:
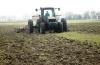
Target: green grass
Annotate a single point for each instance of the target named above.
(81, 36)
(83, 30)
(87, 29)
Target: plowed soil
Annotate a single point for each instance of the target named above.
(46, 49)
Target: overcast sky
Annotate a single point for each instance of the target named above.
(20, 8)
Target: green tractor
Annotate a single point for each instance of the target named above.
(47, 21)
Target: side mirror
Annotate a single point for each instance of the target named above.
(36, 10)
(58, 9)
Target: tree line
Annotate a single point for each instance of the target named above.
(85, 15)
(68, 16)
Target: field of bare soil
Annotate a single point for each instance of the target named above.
(93, 27)
(46, 49)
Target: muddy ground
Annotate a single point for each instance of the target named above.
(46, 49)
(93, 27)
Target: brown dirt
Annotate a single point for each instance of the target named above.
(48, 49)
(85, 27)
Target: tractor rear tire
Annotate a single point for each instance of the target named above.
(30, 26)
(42, 28)
(64, 24)
(60, 27)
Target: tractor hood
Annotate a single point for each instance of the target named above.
(51, 17)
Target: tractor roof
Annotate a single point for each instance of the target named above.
(46, 8)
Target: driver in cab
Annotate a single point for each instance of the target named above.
(47, 14)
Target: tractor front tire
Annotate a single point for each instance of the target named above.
(30, 26)
(64, 24)
(42, 28)
(60, 27)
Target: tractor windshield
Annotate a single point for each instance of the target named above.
(48, 13)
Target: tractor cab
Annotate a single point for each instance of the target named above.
(48, 14)
(45, 11)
